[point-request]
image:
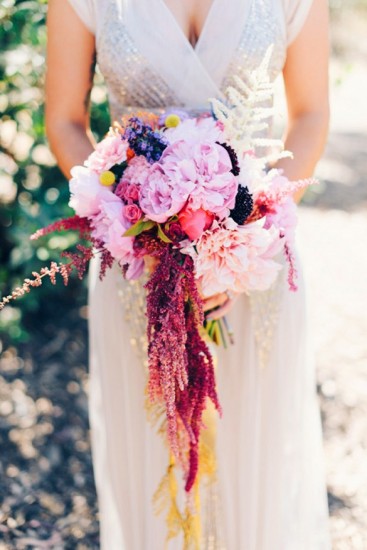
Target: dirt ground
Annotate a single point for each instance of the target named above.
(333, 237)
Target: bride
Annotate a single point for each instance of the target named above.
(270, 490)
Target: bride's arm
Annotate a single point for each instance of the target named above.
(69, 78)
(306, 83)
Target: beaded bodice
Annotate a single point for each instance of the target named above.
(138, 77)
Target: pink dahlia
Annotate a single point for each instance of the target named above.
(110, 151)
(238, 258)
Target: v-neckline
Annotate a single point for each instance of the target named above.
(195, 48)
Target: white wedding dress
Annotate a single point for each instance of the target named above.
(270, 493)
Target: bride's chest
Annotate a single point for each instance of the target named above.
(190, 16)
(145, 54)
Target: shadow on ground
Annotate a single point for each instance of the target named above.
(47, 492)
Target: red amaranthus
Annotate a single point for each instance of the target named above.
(180, 364)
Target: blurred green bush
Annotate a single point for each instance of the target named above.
(33, 192)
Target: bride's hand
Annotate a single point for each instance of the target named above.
(223, 303)
(150, 263)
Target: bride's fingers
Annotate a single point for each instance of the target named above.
(221, 311)
(215, 301)
(150, 263)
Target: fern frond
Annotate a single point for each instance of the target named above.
(247, 109)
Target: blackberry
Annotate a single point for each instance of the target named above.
(233, 156)
(243, 205)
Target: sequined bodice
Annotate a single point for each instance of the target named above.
(134, 81)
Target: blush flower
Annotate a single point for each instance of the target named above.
(86, 192)
(110, 151)
(237, 258)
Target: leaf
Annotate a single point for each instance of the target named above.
(149, 224)
(138, 228)
(162, 235)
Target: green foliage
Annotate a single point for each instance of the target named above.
(33, 192)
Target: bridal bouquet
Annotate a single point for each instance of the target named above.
(192, 194)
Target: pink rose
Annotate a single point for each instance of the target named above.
(175, 232)
(128, 192)
(121, 188)
(132, 213)
(132, 192)
(195, 222)
(110, 151)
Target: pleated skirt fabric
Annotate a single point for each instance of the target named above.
(270, 492)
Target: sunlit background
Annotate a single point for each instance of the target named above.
(47, 493)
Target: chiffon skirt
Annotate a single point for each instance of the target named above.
(270, 492)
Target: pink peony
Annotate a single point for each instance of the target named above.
(110, 151)
(109, 225)
(195, 222)
(86, 192)
(109, 210)
(162, 196)
(205, 168)
(132, 213)
(122, 249)
(237, 258)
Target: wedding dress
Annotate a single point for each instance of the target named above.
(270, 492)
